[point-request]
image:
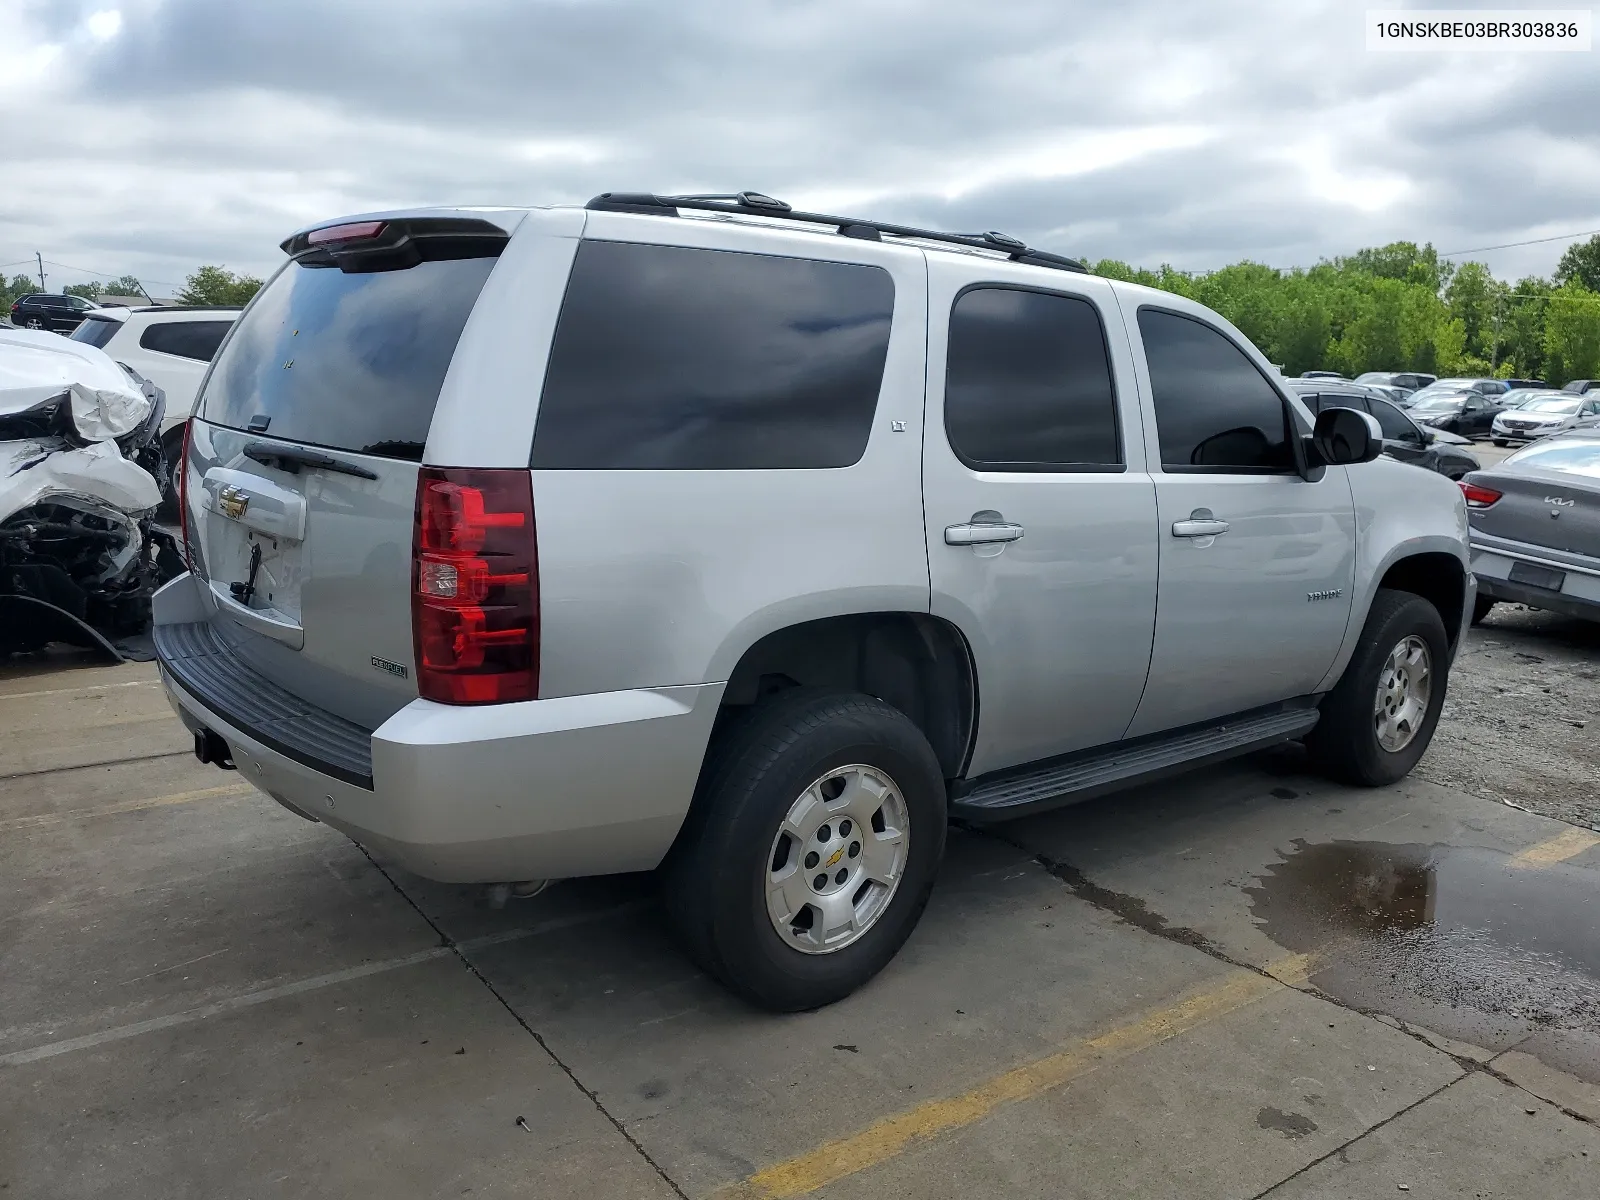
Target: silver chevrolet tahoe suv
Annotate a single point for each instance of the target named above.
(702, 535)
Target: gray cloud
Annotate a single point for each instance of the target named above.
(1150, 131)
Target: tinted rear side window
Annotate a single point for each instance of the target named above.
(1214, 410)
(96, 331)
(1028, 383)
(673, 358)
(349, 361)
(187, 339)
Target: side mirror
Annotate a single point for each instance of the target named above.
(1343, 437)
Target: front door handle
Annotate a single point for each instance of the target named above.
(1196, 527)
(981, 533)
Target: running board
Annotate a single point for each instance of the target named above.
(1085, 776)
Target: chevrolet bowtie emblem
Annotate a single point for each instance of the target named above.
(837, 855)
(233, 501)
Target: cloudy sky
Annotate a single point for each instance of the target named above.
(150, 136)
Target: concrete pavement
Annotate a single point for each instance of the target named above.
(202, 995)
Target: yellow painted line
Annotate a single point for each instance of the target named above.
(212, 793)
(1567, 844)
(892, 1136)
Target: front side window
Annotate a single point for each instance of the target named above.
(1394, 423)
(1214, 410)
(1028, 383)
(677, 358)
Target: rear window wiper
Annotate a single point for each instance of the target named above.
(292, 458)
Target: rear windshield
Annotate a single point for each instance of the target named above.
(1577, 457)
(96, 331)
(348, 361)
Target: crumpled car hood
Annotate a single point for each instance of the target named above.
(31, 472)
(37, 367)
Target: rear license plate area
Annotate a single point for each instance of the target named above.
(1539, 577)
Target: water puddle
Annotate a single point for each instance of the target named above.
(1459, 941)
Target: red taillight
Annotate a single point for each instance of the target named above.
(475, 586)
(182, 468)
(353, 231)
(1479, 497)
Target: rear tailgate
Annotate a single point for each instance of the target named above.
(302, 472)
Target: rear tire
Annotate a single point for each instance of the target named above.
(1391, 693)
(765, 806)
(172, 452)
(1499, 442)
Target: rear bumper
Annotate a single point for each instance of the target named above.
(1493, 559)
(576, 785)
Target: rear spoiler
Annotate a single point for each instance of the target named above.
(395, 243)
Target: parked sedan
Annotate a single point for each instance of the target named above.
(1467, 413)
(1440, 387)
(1403, 438)
(1517, 397)
(1582, 387)
(1408, 381)
(1554, 412)
(1534, 526)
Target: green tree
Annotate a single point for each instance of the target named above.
(1581, 264)
(1474, 297)
(1572, 334)
(1522, 327)
(1401, 260)
(20, 285)
(87, 290)
(217, 285)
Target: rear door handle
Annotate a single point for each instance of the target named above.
(981, 533)
(1193, 528)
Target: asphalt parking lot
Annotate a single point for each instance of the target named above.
(1242, 983)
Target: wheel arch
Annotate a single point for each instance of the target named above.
(919, 664)
(1435, 568)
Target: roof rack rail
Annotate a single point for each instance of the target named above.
(758, 205)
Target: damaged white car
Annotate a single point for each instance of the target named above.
(81, 475)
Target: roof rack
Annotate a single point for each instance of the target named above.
(756, 204)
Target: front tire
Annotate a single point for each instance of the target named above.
(1379, 718)
(811, 850)
(1499, 442)
(1480, 608)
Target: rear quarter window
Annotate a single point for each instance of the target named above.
(348, 360)
(676, 358)
(187, 339)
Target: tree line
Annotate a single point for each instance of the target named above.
(206, 285)
(1401, 307)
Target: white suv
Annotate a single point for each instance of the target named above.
(699, 533)
(171, 347)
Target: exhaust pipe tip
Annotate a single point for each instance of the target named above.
(499, 893)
